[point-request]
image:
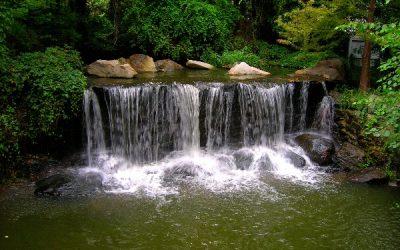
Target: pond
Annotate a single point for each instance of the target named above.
(281, 215)
(214, 164)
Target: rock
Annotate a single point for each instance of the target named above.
(168, 65)
(245, 69)
(395, 183)
(295, 159)
(329, 70)
(319, 149)
(142, 63)
(110, 68)
(93, 180)
(264, 163)
(334, 64)
(349, 157)
(370, 176)
(198, 65)
(123, 60)
(243, 158)
(181, 171)
(51, 184)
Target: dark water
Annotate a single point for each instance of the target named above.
(285, 215)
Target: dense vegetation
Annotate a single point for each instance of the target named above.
(41, 79)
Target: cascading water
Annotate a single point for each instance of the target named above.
(324, 117)
(153, 132)
(262, 113)
(94, 125)
(218, 108)
(304, 104)
(144, 120)
(290, 107)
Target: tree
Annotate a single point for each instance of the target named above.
(366, 57)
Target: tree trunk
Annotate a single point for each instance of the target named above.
(366, 58)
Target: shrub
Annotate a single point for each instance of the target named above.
(379, 113)
(39, 92)
(53, 84)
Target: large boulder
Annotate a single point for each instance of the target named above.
(168, 65)
(329, 70)
(50, 185)
(245, 69)
(110, 68)
(349, 157)
(192, 64)
(142, 63)
(319, 149)
(370, 176)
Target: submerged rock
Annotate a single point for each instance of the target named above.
(349, 157)
(90, 181)
(110, 68)
(181, 171)
(370, 176)
(243, 158)
(264, 163)
(295, 159)
(142, 63)
(319, 149)
(50, 185)
(198, 65)
(168, 65)
(245, 69)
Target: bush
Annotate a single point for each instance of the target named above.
(39, 93)
(53, 85)
(379, 113)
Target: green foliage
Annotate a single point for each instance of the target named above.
(312, 27)
(229, 58)
(304, 59)
(39, 92)
(178, 29)
(379, 113)
(54, 86)
(37, 24)
(264, 55)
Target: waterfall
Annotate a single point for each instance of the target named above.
(325, 88)
(147, 119)
(324, 116)
(142, 138)
(304, 104)
(217, 121)
(93, 124)
(290, 108)
(262, 113)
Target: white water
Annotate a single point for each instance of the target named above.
(153, 137)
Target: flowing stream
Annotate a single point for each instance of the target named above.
(208, 165)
